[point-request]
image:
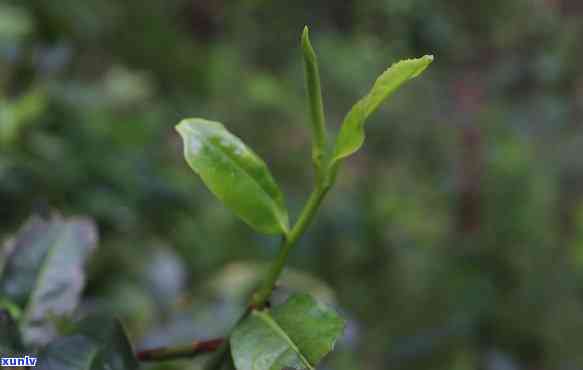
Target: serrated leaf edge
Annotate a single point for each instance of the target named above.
(359, 106)
(279, 213)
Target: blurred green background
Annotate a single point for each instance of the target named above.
(453, 240)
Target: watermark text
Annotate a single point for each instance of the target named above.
(18, 361)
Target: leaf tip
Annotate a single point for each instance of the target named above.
(305, 32)
(180, 127)
(307, 45)
(182, 130)
(425, 61)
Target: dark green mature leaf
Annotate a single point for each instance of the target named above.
(100, 343)
(10, 341)
(44, 273)
(235, 174)
(69, 353)
(297, 334)
(351, 134)
(115, 350)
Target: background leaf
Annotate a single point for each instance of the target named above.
(235, 174)
(15, 23)
(44, 273)
(20, 113)
(68, 353)
(99, 343)
(351, 134)
(10, 341)
(298, 334)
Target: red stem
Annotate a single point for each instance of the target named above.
(193, 349)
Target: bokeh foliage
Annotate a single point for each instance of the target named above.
(453, 241)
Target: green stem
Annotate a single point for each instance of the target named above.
(262, 295)
(259, 299)
(325, 177)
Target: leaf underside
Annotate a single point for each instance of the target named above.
(296, 334)
(235, 174)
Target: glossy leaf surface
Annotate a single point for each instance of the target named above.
(235, 174)
(297, 334)
(351, 134)
(44, 273)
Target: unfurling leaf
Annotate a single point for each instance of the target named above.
(351, 134)
(314, 90)
(297, 334)
(44, 273)
(235, 174)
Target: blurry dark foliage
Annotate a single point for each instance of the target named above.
(454, 240)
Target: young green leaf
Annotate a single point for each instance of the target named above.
(297, 334)
(351, 134)
(318, 119)
(235, 174)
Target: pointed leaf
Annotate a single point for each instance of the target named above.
(235, 174)
(351, 134)
(318, 120)
(99, 343)
(44, 273)
(297, 334)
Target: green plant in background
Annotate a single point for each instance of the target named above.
(300, 332)
(42, 276)
(463, 206)
(40, 289)
(16, 115)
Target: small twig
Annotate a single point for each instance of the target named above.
(190, 350)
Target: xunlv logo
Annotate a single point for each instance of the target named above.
(18, 361)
